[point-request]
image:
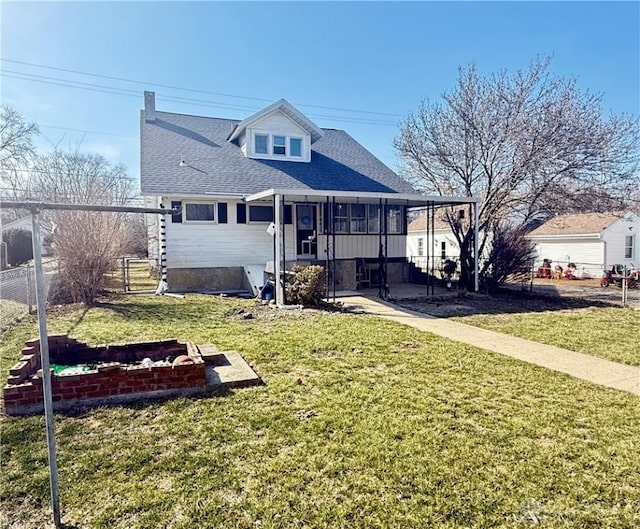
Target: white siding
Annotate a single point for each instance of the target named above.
(440, 236)
(614, 237)
(352, 246)
(587, 254)
(221, 245)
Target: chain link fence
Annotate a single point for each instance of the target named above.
(132, 274)
(612, 284)
(18, 291)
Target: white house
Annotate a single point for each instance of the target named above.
(419, 247)
(268, 191)
(592, 241)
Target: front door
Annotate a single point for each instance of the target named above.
(306, 234)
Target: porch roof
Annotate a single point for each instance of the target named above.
(406, 199)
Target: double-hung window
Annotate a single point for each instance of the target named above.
(295, 147)
(373, 223)
(394, 219)
(420, 246)
(262, 143)
(341, 218)
(280, 145)
(358, 218)
(628, 246)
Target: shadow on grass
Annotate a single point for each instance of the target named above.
(506, 301)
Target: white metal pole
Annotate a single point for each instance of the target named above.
(46, 371)
(476, 257)
(278, 265)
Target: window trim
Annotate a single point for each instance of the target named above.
(301, 140)
(628, 248)
(214, 206)
(249, 221)
(255, 143)
(284, 137)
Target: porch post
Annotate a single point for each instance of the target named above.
(277, 265)
(476, 257)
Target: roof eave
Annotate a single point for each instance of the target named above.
(407, 199)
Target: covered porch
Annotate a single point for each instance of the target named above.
(351, 233)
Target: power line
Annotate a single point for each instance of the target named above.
(89, 131)
(193, 89)
(176, 99)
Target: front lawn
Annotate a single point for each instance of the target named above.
(362, 423)
(608, 332)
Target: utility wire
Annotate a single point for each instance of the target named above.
(193, 89)
(176, 99)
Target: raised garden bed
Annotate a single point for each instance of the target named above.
(93, 375)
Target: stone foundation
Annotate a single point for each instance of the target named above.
(206, 279)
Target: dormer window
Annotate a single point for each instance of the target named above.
(295, 147)
(278, 132)
(262, 144)
(280, 145)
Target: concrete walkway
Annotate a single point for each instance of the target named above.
(579, 365)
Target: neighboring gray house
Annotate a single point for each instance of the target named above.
(268, 191)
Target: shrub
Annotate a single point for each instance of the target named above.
(510, 254)
(19, 247)
(307, 286)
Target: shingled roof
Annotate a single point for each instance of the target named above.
(215, 165)
(577, 224)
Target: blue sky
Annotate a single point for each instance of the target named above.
(378, 58)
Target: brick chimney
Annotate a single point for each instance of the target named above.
(149, 106)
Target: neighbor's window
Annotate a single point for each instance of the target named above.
(341, 218)
(262, 143)
(394, 219)
(199, 212)
(420, 246)
(295, 147)
(373, 223)
(443, 250)
(261, 213)
(358, 218)
(628, 246)
(279, 145)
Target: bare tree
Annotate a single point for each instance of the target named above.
(86, 243)
(527, 146)
(16, 151)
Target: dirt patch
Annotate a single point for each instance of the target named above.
(512, 300)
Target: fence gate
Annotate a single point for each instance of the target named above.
(139, 275)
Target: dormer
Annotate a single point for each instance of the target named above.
(277, 132)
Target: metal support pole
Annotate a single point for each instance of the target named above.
(278, 236)
(333, 247)
(326, 219)
(29, 289)
(284, 254)
(432, 225)
(476, 257)
(46, 370)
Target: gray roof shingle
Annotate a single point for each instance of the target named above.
(214, 165)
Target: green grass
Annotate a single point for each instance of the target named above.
(610, 332)
(362, 423)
